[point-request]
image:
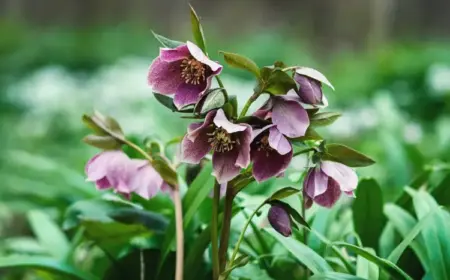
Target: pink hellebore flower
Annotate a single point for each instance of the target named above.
(230, 144)
(287, 114)
(324, 183)
(310, 90)
(270, 153)
(184, 71)
(114, 169)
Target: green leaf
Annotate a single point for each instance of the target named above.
(324, 119)
(435, 235)
(404, 200)
(348, 156)
(166, 101)
(241, 62)
(197, 30)
(334, 276)
(164, 169)
(388, 240)
(314, 74)
(197, 192)
(231, 107)
(404, 223)
(409, 238)
(283, 193)
(368, 218)
(49, 234)
(152, 221)
(302, 253)
(213, 99)
(104, 142)
(104, 125)
(46, 264)
(393, 270)
(366, 269)
(442, 191)
(165, 42)
(238, 262)
(275, 81)
(310, 134)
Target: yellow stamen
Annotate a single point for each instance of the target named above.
(192, 71)
(221, 140)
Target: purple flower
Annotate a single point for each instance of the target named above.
(230, 144)
(114, 169)
(310, 90)
(184, 71)
(280, 220)
(324, 183)
(270, 153)
(287, 114)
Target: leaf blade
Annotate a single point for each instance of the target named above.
(241, 62)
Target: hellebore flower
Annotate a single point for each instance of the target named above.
(270, 153)
(324, 183)
(310, 90)
(280, 220)
(230, 144)
(114, 169)
(287, 114)
(184, 71)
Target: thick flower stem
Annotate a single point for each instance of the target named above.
(214, 231)
(226, 224)
(180, 237)
(249, 102)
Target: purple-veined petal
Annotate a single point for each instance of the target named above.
(121, 170)
(315, 183)
(198, 54)
(265, 111)
(310, 90)
(224, 165)
(187, 94)
(307, 201)
(194, 151)
(220, 120)
(245, 139)
(345, 176)
(330, 196)
(196, 129)
(290, 117)
(165, 77)
(278, 142)
(258, 131)
(146, 182)
(268, 164)
(280, 220)
(170, 55)
(96, 167)
(291, 95)
(103, 184)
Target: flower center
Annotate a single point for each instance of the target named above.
(263, 144)
(192, 71)
(221, 141)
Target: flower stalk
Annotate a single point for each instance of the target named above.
(226, 224)
(214, 231)
(249, 102)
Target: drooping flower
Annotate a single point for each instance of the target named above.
(230, 144)
(184, 71)
(114, 169)
(310, 90)
(270, 153)
(324, 183)
(287, 114)
(280, 220)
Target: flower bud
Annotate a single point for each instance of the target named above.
(310, 91)
(280, 220)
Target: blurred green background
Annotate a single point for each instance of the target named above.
(388, 60)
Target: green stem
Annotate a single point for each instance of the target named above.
(226, 224)
(139, 150)
(305, 232)
(219, 81)
(265, 247)
(249, 102)
(76, 240)
(241, 237)
(179, 233)
(214, 231)
(303, 151)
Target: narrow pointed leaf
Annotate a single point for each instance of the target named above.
(213, 99)
(166, 42)
(324, 119)
(283, 193)
(348, 156)
(197, 30)
(104, 142)
(241, 62)
(335, 276)
(166, 101)
(131, 216)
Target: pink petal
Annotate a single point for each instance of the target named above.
(171, 55)
(223, 190)
(146, 182)
(198, 54)
(342, 174)
(257, 132)
(269, 164)
(96, 167)
(290, 117)
(194, 151)
(245, 139)
(315, 183)
(224, 166)
(220, 120)
(164, 77)
(196, 129)
(265, 111)
(278, 142)
(120, 171)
